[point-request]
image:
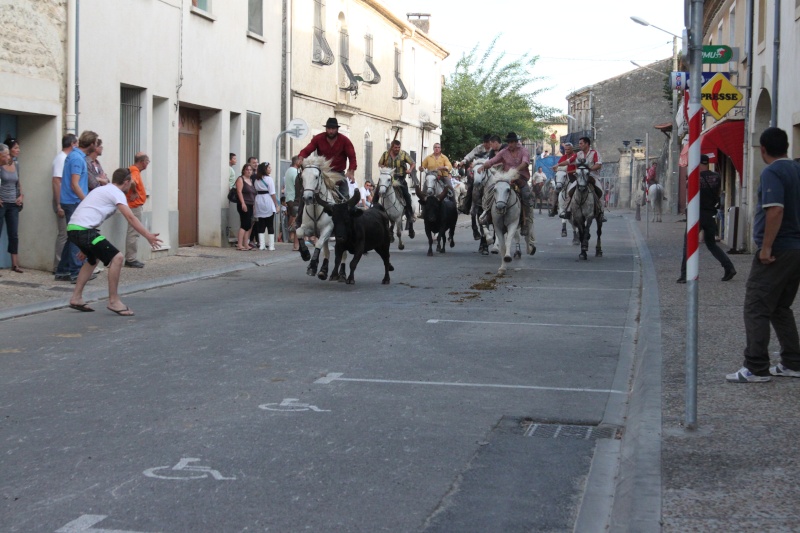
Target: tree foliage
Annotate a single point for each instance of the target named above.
(487, 94)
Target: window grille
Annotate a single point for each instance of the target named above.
(367, 158)
(347, 80)
(370, 75)
(322, 54)
(129, 125)
(399, 82)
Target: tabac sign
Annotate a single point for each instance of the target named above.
(719, 96)
(714, 53)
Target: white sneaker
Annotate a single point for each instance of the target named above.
(99, 268)
(780, 370)
(743, 375)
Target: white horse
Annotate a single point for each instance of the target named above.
(317, 183)
(506, 207)
(393, 203)
(562, 184)
(583, 207)
(655, 195)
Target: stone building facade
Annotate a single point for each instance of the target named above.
(624, 108)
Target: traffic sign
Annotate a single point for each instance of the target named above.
(297, 128)
(717, 53)
(680, 80)
(719, 96)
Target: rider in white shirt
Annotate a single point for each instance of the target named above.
(586, 154)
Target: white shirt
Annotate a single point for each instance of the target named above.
(264, 206)
(58, 164)
(353, 186)
(364, 193)
(539, 177)
(98, 206)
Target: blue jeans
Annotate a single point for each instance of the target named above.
(69, 265)
(9, 214)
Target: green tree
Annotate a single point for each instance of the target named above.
(488, 94)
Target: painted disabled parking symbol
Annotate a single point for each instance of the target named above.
(185, 471)
(291, 405)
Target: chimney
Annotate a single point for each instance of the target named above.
(421, 20)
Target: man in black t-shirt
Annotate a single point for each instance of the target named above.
(710, 183)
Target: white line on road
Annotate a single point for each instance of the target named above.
(566, 288)
(592, 270)
(84, 524)
(438, 320)
(337, 376)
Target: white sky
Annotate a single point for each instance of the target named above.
(579, 42)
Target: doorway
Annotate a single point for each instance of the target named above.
(188, 176)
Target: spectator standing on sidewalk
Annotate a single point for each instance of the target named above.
(11, 198)
(231, 170)
(97, 176)
(775, 272)
(137, 196)
(74, 188)
(69, 142)
(710, 183)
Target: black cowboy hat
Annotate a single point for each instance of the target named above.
(512, 137)
(332, 123)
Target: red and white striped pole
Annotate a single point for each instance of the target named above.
(693, 207)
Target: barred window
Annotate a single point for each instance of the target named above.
(130, 124)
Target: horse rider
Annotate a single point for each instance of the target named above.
(566, 162)
(339, 150)
(397, 159)
(590, 157)
(516, 156)
(479, 152)
(438, 162)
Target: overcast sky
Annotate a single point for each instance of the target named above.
(582, 44)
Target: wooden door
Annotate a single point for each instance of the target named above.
(188, 176)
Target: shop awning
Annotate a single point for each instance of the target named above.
(726, 137)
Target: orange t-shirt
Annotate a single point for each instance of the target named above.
(137, 188)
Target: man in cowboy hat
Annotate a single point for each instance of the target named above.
(517, 156)
(339, 151)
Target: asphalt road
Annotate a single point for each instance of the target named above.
(267, 400)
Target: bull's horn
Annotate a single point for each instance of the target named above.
(353, 201)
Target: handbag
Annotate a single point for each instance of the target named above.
(232, 195)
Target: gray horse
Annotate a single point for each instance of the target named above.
(655, 195)
(583, 207)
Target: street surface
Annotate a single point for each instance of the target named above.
(267, 400)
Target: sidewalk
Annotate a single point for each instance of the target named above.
(736, 471)
(35, 291)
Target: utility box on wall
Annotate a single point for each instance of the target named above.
(734, 229)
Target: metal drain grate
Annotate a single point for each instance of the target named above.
(564, 431)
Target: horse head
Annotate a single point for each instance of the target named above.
(431, 179)
(384, 180)
(561, 178)
(502, 195)
(314, 168)
(582, 174)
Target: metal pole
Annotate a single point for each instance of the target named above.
(277, 180)
(674, 147)
(693, 210)
(646, 168)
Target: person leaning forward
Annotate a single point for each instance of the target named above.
(336, 148)
(401, 163)
(94, 209)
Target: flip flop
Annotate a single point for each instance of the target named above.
(122, 312)
(81, 307)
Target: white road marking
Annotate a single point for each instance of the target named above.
(84, 524)
(566, 288)
(291, 405)
(542, 324)
(592, 270)
(338, 377)
(184, 466)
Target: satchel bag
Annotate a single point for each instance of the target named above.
(233, 196)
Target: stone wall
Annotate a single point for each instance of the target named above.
(627, 107)
(33, 37)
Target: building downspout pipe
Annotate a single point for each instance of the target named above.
(72, 67)
(748, 50)
(776, 56)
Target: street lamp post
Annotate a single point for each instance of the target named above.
(673, 145)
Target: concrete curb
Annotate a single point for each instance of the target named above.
(94, 295)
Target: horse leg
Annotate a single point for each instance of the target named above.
(312, 266)
(300, 235)
(563, 228)
(400, 245)
(323, 271)
(598, 250)
(476, 234)
(430, 241)
(500, 240)
(483, 247)
(391, 232)
(452, 232)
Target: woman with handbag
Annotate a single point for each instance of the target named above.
(11, 198)
(246, 196)
(265, 206)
